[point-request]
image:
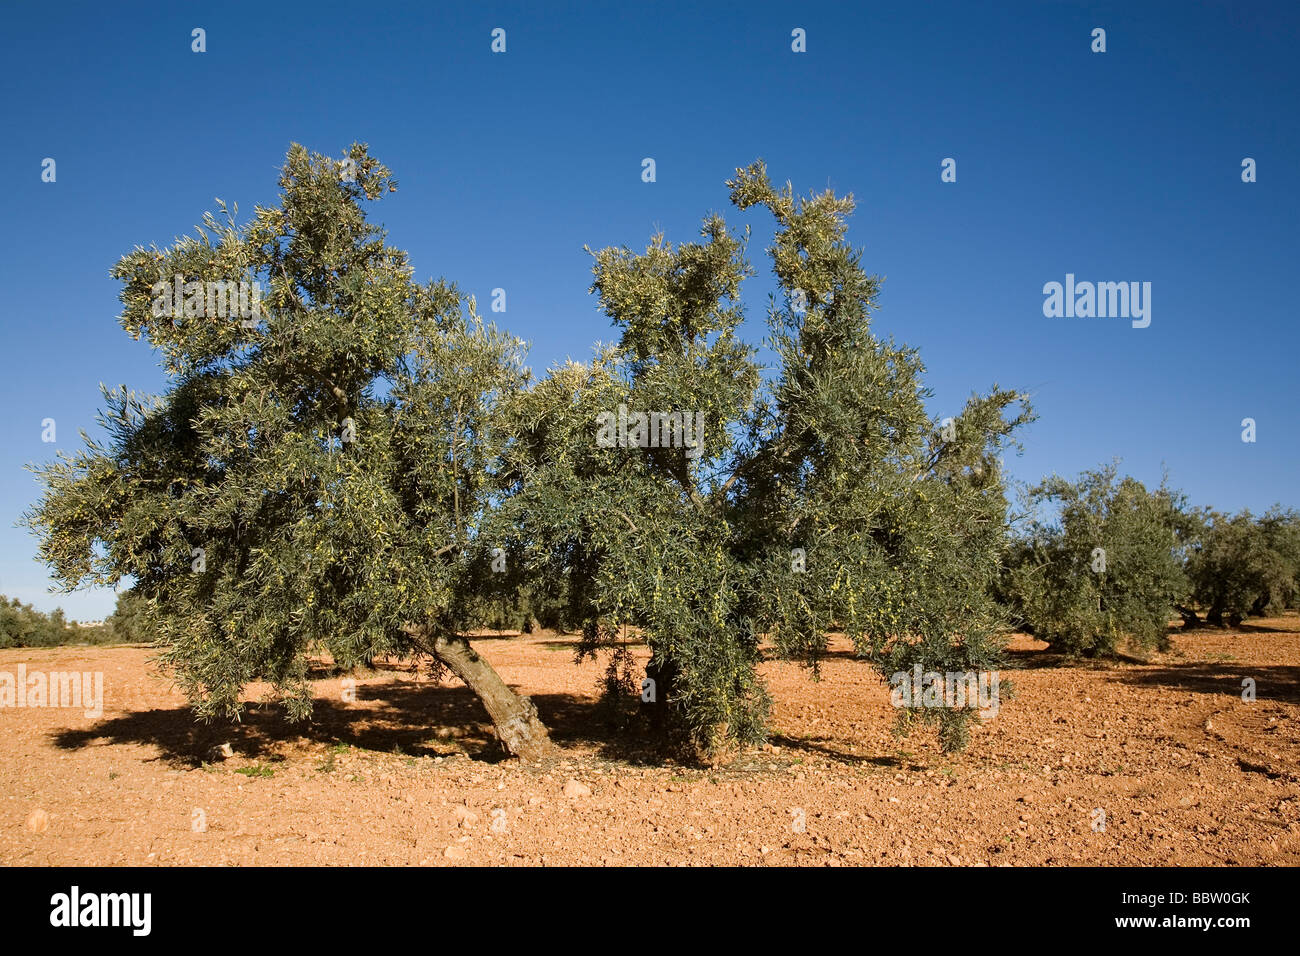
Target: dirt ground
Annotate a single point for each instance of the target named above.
(1120, 765)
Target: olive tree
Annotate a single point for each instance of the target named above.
(820, 495)
(1243, 566)
(1100, 565)
(318, 474)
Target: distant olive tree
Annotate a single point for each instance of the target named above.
(1101, 566)
(129, 622)
(1243, 566)
(21, 625)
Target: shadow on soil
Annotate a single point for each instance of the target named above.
(1279, 683)
(1224, 677)
(1245, 628)
(403, 718)
(400, 717)
(825, 746)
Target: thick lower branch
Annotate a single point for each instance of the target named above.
(514, 716)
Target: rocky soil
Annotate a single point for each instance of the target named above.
(1135, 763)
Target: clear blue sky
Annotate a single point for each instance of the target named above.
(1122, 166)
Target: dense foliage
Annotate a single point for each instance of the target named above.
(1243, 566)
(1104, 564)
(21, 625)
(318, 475)
(1104, 570)
(824, 498)
(130, 623)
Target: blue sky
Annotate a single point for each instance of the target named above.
(1115, 166)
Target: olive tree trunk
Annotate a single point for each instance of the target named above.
(514, 717)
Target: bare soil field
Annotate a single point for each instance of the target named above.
(1184, 770)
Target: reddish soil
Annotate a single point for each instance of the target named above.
(1186, 772)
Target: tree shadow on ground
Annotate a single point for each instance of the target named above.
(830, 654)
(1045, 658)
(1039, 659)
(1206, 629)
(1278, 682)
(820, 746)
(1248, 628)
(399, 717)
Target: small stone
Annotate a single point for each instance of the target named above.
(465, 817)
(454, 852)
(499, 822)
(572, 788)
(221, 752)
(38, 821)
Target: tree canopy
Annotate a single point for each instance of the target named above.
(823, 496)
(318, 475)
